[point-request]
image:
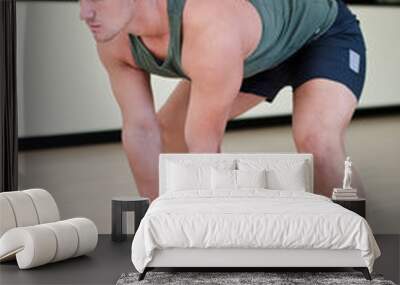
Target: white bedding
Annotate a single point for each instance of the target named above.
(251, 218)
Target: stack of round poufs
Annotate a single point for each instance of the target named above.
(32, 233)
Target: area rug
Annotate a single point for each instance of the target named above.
(243, 278)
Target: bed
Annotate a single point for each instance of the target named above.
(241, 210)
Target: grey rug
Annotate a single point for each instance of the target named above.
(269, 278)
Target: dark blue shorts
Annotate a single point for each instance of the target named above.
(338, 54)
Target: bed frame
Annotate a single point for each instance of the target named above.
(246, 258)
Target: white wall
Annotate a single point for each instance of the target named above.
(63, 88)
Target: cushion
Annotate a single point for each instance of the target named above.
(189, 174)
(87, 232)
(23, 208)
(32, 246)
(45, 205)
(251, 178)
(7, 215)
(223, 179)
(229, 179)
(67, 237)
(281, 174)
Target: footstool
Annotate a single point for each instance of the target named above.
(122, 204)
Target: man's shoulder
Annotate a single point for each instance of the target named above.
(205, 12)
(209, 21)
(210, 28)
(117, 50)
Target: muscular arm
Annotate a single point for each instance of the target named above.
(130, 85)
(214, 62)
(132, 90)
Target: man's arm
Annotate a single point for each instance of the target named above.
(130, 85)
(132, 90)
(214, 62)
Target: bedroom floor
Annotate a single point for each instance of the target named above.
(110, 260)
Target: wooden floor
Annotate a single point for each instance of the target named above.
(111, 259)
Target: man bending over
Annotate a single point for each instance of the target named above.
(231, 55)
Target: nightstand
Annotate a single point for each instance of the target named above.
(138, 205)
(357, 205)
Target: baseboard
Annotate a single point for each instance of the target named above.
(111, 136)
(68, 140)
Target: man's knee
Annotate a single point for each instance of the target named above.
(139, 128)
(321, 143)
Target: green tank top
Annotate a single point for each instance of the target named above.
(287, 26)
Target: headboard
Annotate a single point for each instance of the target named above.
(164, 157)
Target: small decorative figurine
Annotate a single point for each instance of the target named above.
(347, 174)
(346, 192)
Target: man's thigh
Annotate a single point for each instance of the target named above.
(322, 106)
(173, 112)
(243, 102)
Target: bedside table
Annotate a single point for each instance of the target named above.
(119, 205)
(357, 205)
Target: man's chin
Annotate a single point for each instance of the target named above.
(103, 38)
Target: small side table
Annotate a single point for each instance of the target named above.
(119, 205)
(357, 205)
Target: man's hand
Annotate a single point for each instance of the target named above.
(214, 62)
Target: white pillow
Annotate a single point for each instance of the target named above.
(193, 174)
(251, 178)
(189, 177)
(228, 179)
(223, 179)
(281, 174)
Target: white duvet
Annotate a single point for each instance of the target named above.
(253, 218)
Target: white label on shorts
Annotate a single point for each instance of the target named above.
(354, 61)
